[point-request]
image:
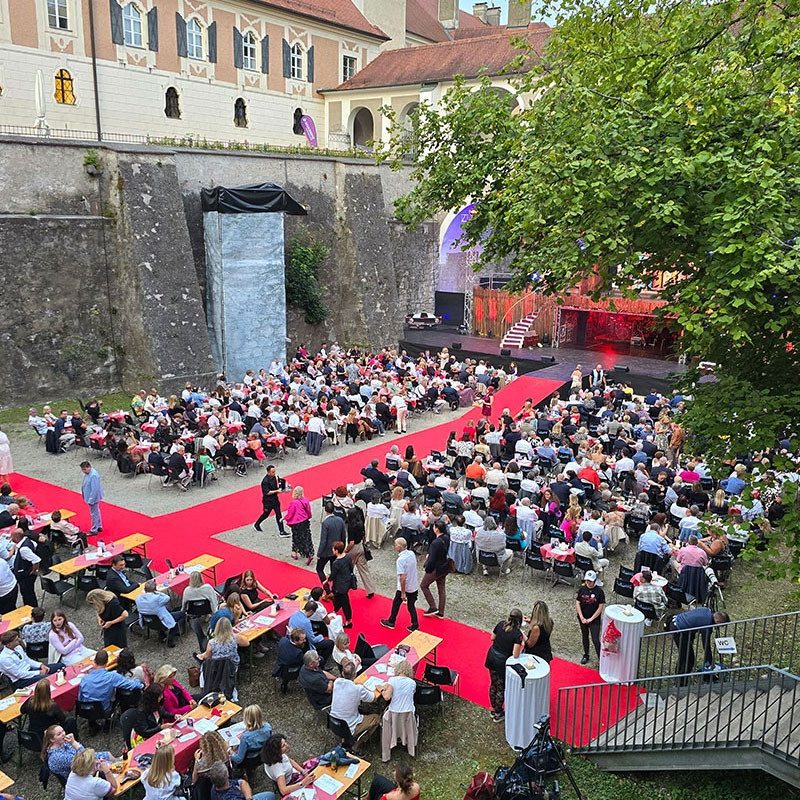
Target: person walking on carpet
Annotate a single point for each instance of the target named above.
(92, 491)
(332, 530)
(270, 500)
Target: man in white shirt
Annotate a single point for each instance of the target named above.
(524, 448)
(407, 585)
(400, 404)
(210, 444)
(17, 666)
(26, 566)
(624, 464)
(9, 589)
(584, 548)
(346, 699)
(690, 523)
(495, 478)
(39, 424)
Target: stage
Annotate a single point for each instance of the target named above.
(646, 371)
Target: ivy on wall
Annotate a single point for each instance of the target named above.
(302, 287)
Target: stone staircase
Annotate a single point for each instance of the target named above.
(746, 718)
(515, 335)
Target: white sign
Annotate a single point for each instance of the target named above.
(726, 645)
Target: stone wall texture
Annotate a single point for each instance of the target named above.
(104, 275)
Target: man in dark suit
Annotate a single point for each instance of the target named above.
(119, 581)
(379, 479)
(270, 501)
(179, 469)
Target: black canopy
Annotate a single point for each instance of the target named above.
(260, 198)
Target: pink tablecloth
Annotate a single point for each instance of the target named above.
(411, 656)
(658, 580)
(556, 554)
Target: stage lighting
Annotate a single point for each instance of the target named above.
(621, 368)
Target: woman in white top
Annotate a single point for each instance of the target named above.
(341, 652)
(397, 507)
(376, 522)
(288, 775)
(82, 783)
(66, 641)
(399, 689)
(161, 780)
(6, 464)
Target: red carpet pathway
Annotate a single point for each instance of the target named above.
(182, 535)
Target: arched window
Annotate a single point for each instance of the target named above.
(57, 14)
(240, 113)
(172, 106)
(132, 25)
(297, 57)
(65, 89)
(297, 128)
(249, 51)
(194, 39)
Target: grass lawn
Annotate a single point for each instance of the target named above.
(19, 415)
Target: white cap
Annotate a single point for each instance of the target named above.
(590, 575)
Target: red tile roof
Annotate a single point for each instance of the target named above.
(443, 60)
(341, 13)
(473, 31)
(422, 19)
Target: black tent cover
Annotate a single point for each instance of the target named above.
(260, 198)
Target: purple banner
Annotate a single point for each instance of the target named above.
(309, 129)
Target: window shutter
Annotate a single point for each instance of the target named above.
(310, 65)
(287, 60)
(212, 42)
(117, 31)
(265, 55)
(180, 30)
(152, 29)
(238, 48)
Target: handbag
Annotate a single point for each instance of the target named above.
(367, 553)
(353, 581)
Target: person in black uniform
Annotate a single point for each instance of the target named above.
(270, 499)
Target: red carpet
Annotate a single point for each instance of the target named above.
(184, 534)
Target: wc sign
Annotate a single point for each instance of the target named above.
(726, 645)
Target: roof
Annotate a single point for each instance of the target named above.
(442, 61)
(422, 19)
(341, 13)
(473, 31)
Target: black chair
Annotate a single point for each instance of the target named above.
(125, 699)
(653, 561)
(196, 609)
(676, 597)
(722, 566)
(648, 609)
(150, 622)
(536, 563)
(535, 548)
(369, 653)
(58, 587)
(514, 545)
(487, 560)
(28, 740)
(101, 570)
(563, 572)
(451, 509)
(583, 563)
(635, 526)
(93, 711)
(623, 588)
(427, 695)
(38, 650)
(735, 546)
(286, 675)
(625, 573)
(439, 675)
(87, 581)
(341, 730)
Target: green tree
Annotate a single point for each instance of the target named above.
(664, 136)
(302, 287)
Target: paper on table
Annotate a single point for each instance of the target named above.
(76, 680)
(327, 784)
(7, 703)
(372, 683)
(352, 771)
(204, 725)
(187, 737)
(91, 556)
(380, 667)
(193, 568)
(303, 794)
(263, 619)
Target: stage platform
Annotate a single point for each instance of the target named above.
(646, 371)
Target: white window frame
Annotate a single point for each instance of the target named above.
(249, 51)
(349, 57)
(132, 27)
(58, 13)
(195, 40)
(297, 56)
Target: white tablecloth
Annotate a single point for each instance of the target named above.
(525, 705)
(620, 666)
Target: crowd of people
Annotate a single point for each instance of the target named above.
(591, 471)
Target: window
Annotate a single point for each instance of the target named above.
(349, 67)
(297, 128)
(240, 113)
(172, 106)
(65, 90)
(296, 62)
(57, 14)
(194, 39)
(132, 25)
(249, 51)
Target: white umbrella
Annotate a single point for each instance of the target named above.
(41, 122)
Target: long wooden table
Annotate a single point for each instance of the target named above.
(183, 737)
(178, 581)
(41, 521)
(420, 644)
(89, 559)
(339, 775)
(5, 781)
(65, 694)
(15, 619)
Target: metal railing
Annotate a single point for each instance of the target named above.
(773, 640)
(754, 707)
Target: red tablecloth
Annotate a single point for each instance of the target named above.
(411, 656)
(556, 554)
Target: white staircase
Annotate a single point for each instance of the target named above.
(515, 335)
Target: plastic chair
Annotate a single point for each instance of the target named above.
(648, 609)
(38, 650)
(287, 675)
(427, 695)
(536, 563)
(625, 573)
(367, 652)
(623, 588)
(487, 560)
(439, 675)
(583, 563)
(28, 740)
(91, 710)
(563, 572)
(57, 587)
